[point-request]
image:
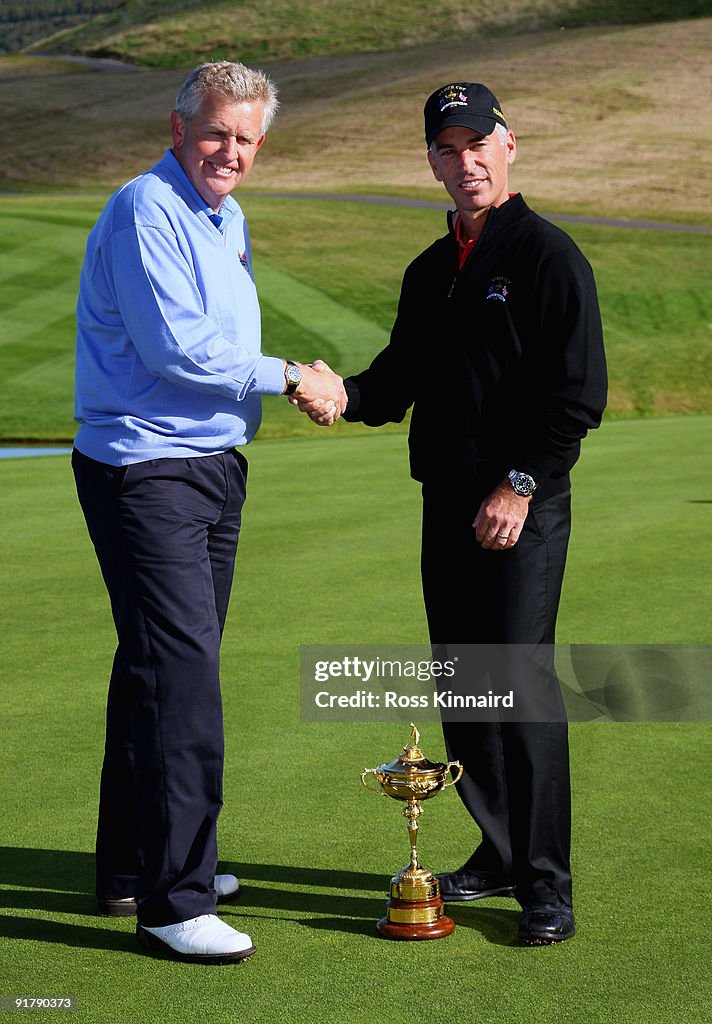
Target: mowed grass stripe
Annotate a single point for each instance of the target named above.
(329, 274)
(23, 283)
(55, 374)
(38, 276)
(350, 336)
(46, 308)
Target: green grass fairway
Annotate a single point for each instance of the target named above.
(338, 301)
(314, 850)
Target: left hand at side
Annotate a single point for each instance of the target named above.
(500, 518)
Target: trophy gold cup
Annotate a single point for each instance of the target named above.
(415, 909)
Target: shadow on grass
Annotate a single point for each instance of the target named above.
(296, 875)
(70, 877)
(63, 870)
(52, 902)
(84, 936)
(498, 926)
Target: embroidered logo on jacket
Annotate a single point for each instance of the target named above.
(498, 289)
(242, 256)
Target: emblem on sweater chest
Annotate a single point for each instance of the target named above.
(242, 257)
(498, 289)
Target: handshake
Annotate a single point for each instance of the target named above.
(320, 394)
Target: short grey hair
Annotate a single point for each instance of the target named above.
(235, 82)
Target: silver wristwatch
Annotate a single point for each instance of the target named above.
(522, 484)
(293, 377)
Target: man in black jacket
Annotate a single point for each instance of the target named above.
(498, 347)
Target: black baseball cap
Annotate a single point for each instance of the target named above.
(467, 104)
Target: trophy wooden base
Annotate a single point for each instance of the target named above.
(415, 919)
(412, 932)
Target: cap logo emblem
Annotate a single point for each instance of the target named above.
(452, 96)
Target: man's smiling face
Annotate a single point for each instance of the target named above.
(474, 168)
(217, 147)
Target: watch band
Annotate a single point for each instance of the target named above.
(293, 377)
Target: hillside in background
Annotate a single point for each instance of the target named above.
(161, 33)
(609, 121)
(23, 22)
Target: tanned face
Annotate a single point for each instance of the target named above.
(474, 168)
(217, 147)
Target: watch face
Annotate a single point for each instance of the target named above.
(522, 483)
(293, 375)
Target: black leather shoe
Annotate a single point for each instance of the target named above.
(116, 908)
(543, 926)
(463, 884)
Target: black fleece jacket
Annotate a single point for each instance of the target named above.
(502, 361)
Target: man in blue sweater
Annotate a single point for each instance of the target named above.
(169, 384)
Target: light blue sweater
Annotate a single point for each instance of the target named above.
(168, 326)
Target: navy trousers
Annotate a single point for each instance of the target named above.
(515, 782)
(165, 533)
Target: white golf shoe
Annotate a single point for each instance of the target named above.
(227, 887)
(205, 940)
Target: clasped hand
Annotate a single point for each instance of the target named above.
(321, 394)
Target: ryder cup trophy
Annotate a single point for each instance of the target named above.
(415, 909)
